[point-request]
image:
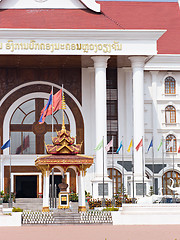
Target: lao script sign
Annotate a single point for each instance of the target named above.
(60, 47)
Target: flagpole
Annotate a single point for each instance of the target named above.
(133, 165)
(103, 202)
(163, 164)
(123, 168)
(113, 171)
(52, 113)
(1, 167)
(173, 169)
(153, 164)
(52, 174)
(63, 104)
(143, 163)
(10, 200)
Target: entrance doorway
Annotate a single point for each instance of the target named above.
(26, 186)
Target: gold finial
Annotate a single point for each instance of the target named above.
(63, 124)
(63, 108)
(63, 102)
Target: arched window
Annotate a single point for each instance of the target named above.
(168, 140)
(170, 114)
(27, 135)
(170, 85)
(117, 180)
(167, 181)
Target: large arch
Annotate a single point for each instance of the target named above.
(6, 122)
(25, 91)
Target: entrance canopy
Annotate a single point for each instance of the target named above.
(80, 162)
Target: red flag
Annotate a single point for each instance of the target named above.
(26, 142)
(57, 104)
(139, 145)
(179, 149)
(18, 150)
(24, 146)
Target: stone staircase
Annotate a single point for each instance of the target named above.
(34, 204)
(62, 216)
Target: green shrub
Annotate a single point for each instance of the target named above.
(110, 209)
(17, 209)
(73, 197)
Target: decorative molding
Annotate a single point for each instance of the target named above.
(162, 62)
(166, 101)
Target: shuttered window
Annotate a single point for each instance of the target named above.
(112, 108)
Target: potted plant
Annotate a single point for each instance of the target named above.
(1, 197)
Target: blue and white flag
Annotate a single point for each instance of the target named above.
(119, 147)
(6, 145)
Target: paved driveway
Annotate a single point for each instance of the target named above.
(90, 232)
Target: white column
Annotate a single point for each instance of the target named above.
(121, 104)
(100, 65)
(137, 63)
(81, 193)
(46, 191)
(128, 108)
(40, 183)
(154, 75)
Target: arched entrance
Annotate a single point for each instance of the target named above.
(20, 121)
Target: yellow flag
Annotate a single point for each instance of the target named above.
(130, 146)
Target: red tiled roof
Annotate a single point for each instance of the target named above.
(115, 15)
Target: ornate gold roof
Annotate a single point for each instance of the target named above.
(63, 143)
(63, 152)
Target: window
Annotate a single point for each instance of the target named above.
(117, 180)
(167, 181)
(168, 140)
(112, 112)
(28, 136)
(170, 115)
(170, 85)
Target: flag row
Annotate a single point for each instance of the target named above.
(139, 145)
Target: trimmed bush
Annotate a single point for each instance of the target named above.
(17, 209)
(110, 209)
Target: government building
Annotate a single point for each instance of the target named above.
(118, 63)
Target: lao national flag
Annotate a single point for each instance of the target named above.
(45, 109)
